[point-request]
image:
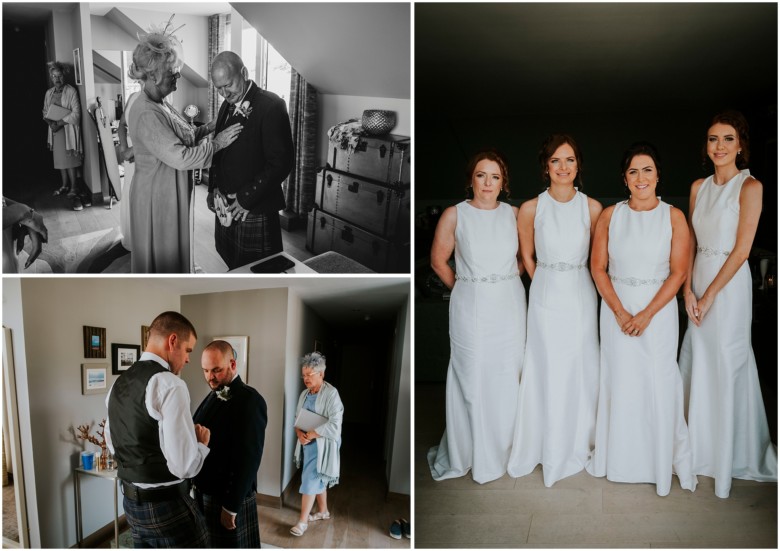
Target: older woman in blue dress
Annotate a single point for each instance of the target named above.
(317, 450)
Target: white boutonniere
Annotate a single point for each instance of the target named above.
(244, 109)
(224, 394)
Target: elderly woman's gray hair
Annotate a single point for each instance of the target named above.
(156, 53)
(57, 66)
(314, 361)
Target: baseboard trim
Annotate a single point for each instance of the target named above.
(101, 535)
(275, 502)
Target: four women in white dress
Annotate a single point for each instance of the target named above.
(642, 253)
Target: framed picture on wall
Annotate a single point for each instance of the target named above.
(94, 378)
(123, 356)
(77, 65)
(241, 348)
(94, 342)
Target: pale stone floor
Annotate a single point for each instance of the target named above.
(580, 511)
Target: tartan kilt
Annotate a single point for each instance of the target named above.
(257, 237)
(247, 532)
(175, 523)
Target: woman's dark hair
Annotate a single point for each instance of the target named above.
(640, 148)
(740, 124)
(490, 155)
(548, 149)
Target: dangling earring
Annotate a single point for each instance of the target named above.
(739, 152)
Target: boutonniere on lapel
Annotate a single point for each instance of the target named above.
(224, 394)
(245, 109)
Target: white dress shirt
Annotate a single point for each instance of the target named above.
(168, 402)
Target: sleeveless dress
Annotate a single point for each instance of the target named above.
(641, 435)
(487, 339)
(559, 387)
(728, 425)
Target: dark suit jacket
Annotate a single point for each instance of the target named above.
(237, 427)
(255, 165)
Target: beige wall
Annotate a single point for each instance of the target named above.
(260, 315)
(54, 313)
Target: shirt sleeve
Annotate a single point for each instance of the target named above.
(107, 429)
(168, 401)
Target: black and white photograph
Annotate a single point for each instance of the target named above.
(209, 137)
(123, 356)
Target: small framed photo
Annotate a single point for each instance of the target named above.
(241, 347)
(94, 378)
(94, 342)
(77, 66)
(123, 356)
(144, 336)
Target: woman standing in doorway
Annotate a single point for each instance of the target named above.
(64, 134)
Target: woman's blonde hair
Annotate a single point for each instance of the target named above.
(157, 51)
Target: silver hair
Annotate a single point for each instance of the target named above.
(314, 361)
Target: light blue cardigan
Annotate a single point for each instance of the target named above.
(327, 404)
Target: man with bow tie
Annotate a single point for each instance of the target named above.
(245, 180)
(236, 415)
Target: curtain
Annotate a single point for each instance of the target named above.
(217, 37)
(299, 188)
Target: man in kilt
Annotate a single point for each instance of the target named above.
(245, 179)
(237, 416)
(156, 445)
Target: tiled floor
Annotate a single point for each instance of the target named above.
(580, 511)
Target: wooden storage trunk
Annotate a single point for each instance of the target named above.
(327, 232)
(374, 206)
(383, 158)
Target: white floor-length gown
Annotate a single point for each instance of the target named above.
(641, 435)
(487, 339)
(556, 415)
(726, 416)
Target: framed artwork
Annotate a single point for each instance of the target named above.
(94, 378)
(94, 342)
(77, 67)
(144, 336)
(240, 347)
(123, 356)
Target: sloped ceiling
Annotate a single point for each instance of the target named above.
(357, 49)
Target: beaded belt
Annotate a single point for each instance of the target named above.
(560, 266)
(635, 282)
(709, 251)
(492, 278)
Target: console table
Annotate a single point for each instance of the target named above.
(106, 475)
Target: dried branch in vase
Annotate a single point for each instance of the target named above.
(84, 434)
